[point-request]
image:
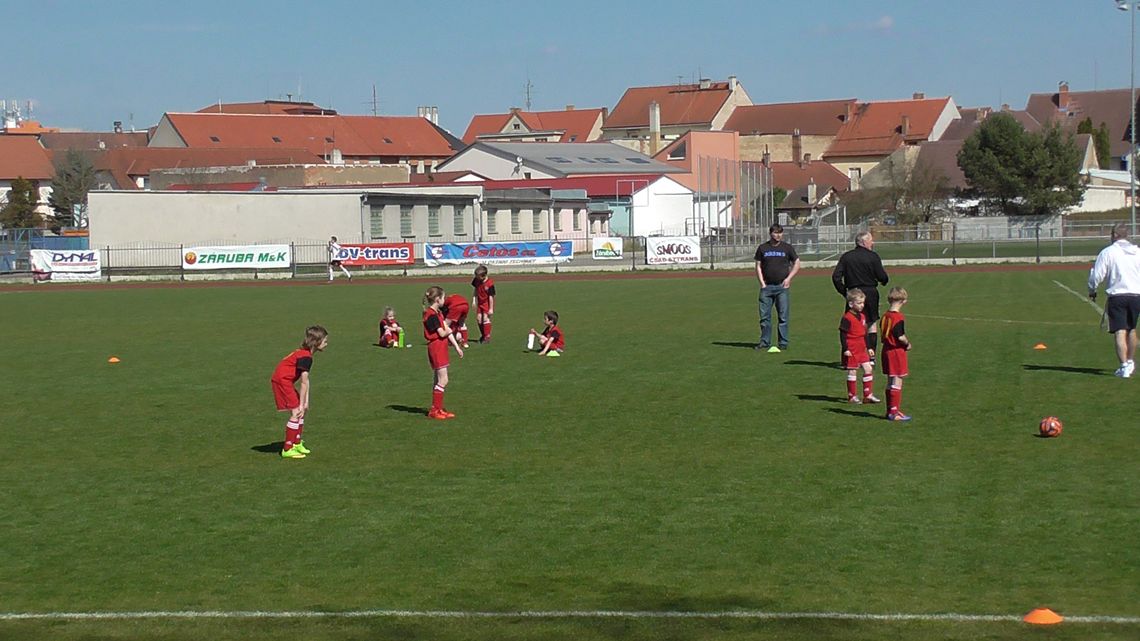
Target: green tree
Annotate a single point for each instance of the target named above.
(20, 210)
(778, 195)
(1100, 140)
(1022, 173)
(74, 177)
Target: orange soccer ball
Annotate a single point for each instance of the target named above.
(1050, 426)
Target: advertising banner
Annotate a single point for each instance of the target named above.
(376, 254)
(666, 250)
(66, 264)
(237, 257)
(545, 252)
(606, 248)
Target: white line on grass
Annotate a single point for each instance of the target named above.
(995, 320)
(1098, 308)
(542, 614)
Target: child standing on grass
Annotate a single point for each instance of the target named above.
(334, 259)
(551, 340)
(438, 336)
(293, 370)
(484, 301)
(895, 346)
(390, 330)
(853, 342)
(455, 313)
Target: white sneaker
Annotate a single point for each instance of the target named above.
(1129, 367)
(1124, 371)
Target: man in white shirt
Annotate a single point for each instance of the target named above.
(334, 252)
(1119, 264)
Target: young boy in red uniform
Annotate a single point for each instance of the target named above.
(895, 346)
(294, 370)
(484, 301)
(853, 342)
(455, 313)
(390, 330)
(551, 339)
(438, 336)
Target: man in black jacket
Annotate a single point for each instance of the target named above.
(862, 268)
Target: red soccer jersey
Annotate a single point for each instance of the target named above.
(559, 338)
(484, 290)
(433, 320)
(853, 332)
(455, 308)
(388, 325)
(290, 367)
(891, 329)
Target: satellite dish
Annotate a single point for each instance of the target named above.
(518, 160)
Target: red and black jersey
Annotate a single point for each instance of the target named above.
(553, 332)
(853, 332)
(290, 368)
(433, 320)
(484, 290)
(891, 330)
(388, 325)
(455, 308)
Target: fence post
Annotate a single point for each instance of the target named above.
(293, 260)
(633, 253)
(107, 251)
(181, 262)
(1037, 233)
(953, 243)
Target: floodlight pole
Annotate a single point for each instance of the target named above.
(1131, 7)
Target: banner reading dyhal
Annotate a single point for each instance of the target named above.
(546, 252)
(65, 264)
(665, 250)
(238, 257)
(376, 254)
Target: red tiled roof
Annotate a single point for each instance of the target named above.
(90, 140)
(355, 136)
(680, 105)
(1109, 106)
(125, 163)
(595, 186)
(576, 124)
(793, 175)
(23, 157)
(820, 118)
(280, 107)
(875, 129)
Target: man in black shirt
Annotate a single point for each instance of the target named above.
(862, 268)
(776, 265)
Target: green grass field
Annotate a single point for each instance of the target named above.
(661, 465)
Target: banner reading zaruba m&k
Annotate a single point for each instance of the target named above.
(65, 264)
(546, 252)
(664, 250)
(376, 254)
(237, 257)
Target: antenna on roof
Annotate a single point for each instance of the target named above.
(526, 88)
(374, 99)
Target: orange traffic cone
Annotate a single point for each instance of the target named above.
(1040, 346)
(113, 359)
(1042, 616)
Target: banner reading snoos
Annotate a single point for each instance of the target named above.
(541, 253)
(238, 257)
(66, 264)
(607, 248)
(377, 254)
(665, 250)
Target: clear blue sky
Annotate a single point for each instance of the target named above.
(86, 64)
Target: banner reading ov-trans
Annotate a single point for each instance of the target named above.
(237, 257)
(545, 252)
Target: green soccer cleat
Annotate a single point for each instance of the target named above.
(300, 447)
(292, 452)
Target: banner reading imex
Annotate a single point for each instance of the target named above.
(546, 252)
(237, 257)
(376, 254)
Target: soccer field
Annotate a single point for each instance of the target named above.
(661, 467)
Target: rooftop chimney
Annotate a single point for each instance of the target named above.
(705, 83)
(797, 147)
(337, 157)
(118, 125)
(811, 192)
(515, 110)
(847, 112)
(807, 159)
(918, 95)
(766, 158)
(1063, 95)
(905, 128)
(654, 127)
(569, 107)
(1005, 106)
(732, 83)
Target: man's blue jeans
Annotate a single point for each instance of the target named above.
(779, 295)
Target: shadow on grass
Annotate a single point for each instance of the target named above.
(656, 598)
(1063, 368)
(269, 448)
(734, 344)
(409, 409)
(824, 364)
(821, 398)
(858, 413)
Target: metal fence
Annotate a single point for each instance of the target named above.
(16, 244)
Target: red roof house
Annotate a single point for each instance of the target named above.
(704, 106)
(567, 125)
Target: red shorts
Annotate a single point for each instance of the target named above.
(389, 339)
(855, 360)
(437, 354)
(285, 395)
(458, 314)
(484, 309)
(894, 362)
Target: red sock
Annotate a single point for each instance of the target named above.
(463, 335)
(437, 398)
(292, 434)
(868, 386)
(300, 429)
(894, 399)
(851, 389)
(487, 329)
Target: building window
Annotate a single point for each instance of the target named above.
(854, 174)
(536, 220)
(678, 153)
(577, 220)
(515, 126)
(516, 223)
(558, 220)
(406, 221)
(276, 140)
(492, 228)
(457, 214)
(433, 220)
(376, 221)
(215, 139)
